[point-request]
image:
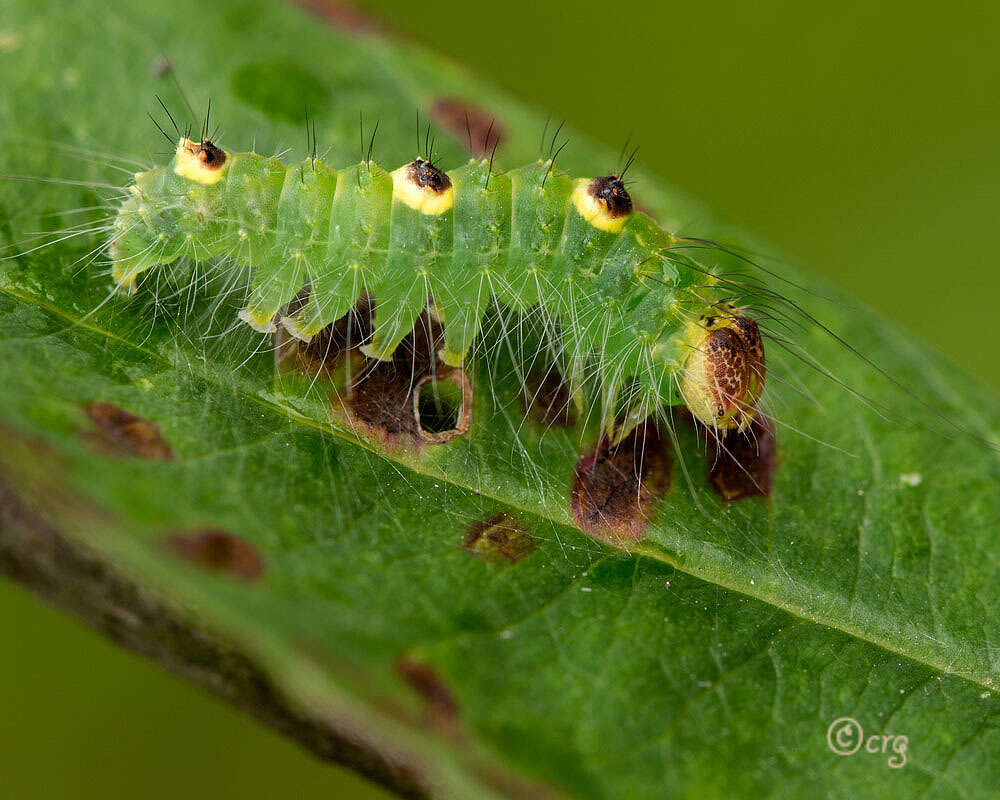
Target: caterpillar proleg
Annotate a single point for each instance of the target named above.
(654, 329)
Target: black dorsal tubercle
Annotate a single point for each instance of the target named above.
(610, 190)
(425, 175)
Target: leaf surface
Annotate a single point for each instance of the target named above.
(433, 614)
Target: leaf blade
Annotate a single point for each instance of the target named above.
(155, 370)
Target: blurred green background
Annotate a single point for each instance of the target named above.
(862, 139)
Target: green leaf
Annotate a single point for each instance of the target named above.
(433, 616)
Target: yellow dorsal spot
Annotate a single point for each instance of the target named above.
(425, 199)
(593, 210)
(201, 162)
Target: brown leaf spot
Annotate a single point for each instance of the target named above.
(616, 487)
(479, 135)
(744, 462)
(218, 550)
(328, 347)
(547, 400)
(406, 400)
(426, 682)
(344, 15)
(499, 538)
(119, 433)
(381, 395)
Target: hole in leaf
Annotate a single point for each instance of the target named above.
(413, 396)
(441, 406)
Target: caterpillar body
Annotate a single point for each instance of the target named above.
(653, 330)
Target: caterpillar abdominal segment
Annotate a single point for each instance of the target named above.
(629, 316)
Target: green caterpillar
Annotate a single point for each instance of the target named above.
(654, 330)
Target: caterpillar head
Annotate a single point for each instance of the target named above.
(724, 374)
(201, 162)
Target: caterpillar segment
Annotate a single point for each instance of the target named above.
(642, 326)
